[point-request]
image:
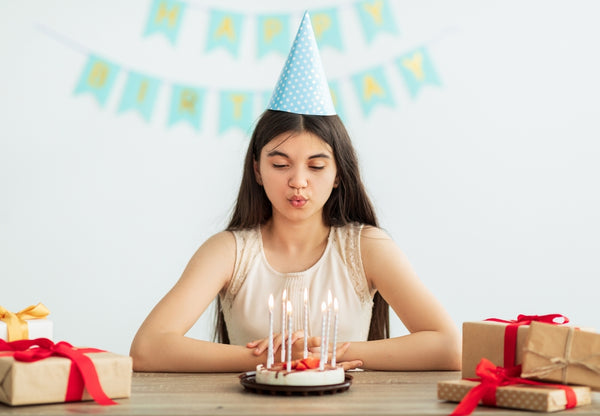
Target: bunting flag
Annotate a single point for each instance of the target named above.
(273, 34)
(165, 17)
(139, 94)
(186, 105)
(235, 110)
(225, 29)
(334, 89)
(265, 99)
(326, 25)
(417, 70)
(375, 17)
(97, 78)
(372, 89)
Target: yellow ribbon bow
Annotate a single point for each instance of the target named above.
(16, 327)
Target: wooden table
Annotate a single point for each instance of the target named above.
(371, 393)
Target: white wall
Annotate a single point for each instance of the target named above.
(489, 183)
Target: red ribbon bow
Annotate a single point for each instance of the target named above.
(82, 373)
(510, 333)
(491, 378)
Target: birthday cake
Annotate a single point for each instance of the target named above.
(304, 372)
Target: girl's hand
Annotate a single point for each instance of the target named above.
(261, 345)
(314, 348)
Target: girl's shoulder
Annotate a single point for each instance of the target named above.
(218, 244)
(372, 232)
(359, 235)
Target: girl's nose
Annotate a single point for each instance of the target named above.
(298, 179)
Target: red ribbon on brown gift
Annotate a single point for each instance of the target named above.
(492, 377)
(510, 333)
(82, 373)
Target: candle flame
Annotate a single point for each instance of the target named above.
(305, 295)
(323, 307)
(271, 302)
(335, 304)
(329, 297)
(289, 307)
(284, 296)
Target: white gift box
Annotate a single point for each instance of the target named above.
(38, 328)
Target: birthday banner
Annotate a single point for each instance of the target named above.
(273, 31)
(238, 108)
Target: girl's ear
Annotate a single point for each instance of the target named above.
(336, 183)
(257, 173)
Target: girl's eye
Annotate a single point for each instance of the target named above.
(317, 167)
(278, 166)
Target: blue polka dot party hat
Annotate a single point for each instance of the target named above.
(302, 87)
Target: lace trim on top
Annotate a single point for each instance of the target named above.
(349, 250)
(345, 240)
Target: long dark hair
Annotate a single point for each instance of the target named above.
(347, 203)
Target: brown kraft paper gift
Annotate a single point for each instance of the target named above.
(485, 339)
(562, 354)
(537, 398)
(45, 381)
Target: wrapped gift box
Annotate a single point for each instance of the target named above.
(46, 380)
(37, 328)
(526, 397)
(485, 339)
(562, 354)
(29, 323)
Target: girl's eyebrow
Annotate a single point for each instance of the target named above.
(316, 156)
(277, 153)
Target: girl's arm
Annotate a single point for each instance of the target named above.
(161, 345)
(434, 341)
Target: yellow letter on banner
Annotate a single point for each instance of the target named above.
(188, 101)
(415, 65)
(371, 87)
(141, 96)
(272, 27)
(226, 29)
(98, 74)
(321, 22)
(164, 13)
(238, 101)
(333, 97)
(375, 11)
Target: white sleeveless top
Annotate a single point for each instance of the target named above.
(245, 298)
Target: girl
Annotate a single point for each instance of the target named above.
(302, 221)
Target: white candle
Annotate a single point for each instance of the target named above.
(305, 355)
(335, 329)
(283, 299)
(270, 357)
(327, 339)
(289, 346)
(322, 359)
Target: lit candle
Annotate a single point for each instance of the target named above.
(270, 357)
(283, 299)
(327, 339)
(305, 355)
(322, 360)
(289, 346)
(335, 329)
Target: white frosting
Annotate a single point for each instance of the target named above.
(310, 377)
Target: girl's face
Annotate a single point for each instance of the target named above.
(298, 173)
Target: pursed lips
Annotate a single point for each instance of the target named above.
(298, 200)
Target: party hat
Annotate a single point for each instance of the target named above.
(302, 87)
